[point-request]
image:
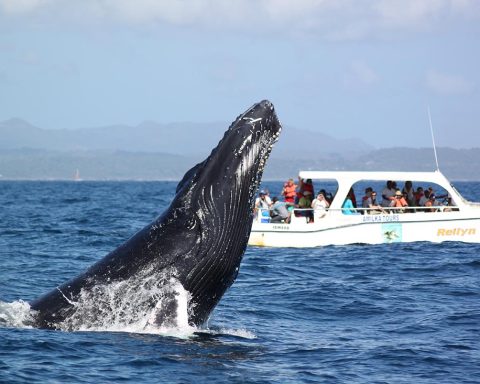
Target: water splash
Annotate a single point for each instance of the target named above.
(146, 306)
(141, 304)
(16, 314)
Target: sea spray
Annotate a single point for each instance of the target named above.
(130, 305)
(16, 314)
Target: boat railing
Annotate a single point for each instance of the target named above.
(310, 214)
(406, 209)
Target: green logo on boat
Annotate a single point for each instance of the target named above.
(392, 232)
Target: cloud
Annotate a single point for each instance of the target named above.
(23, 6)
(447, 84)
(338, 19)
(360, 74)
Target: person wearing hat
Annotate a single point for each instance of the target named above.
(263, 200)
(399, 202)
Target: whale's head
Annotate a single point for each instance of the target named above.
(215, 201)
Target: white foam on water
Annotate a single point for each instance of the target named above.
(16, 314)
(242, 333)
(131, 306)
(125, 306)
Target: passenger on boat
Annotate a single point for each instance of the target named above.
(424, 198)
(348, 208)
(408, 193)
(418, 196)
(431, 202)
(263, 201)
(306, 185)
(305, 204)
(328, 196)
(366, 197)
(450, 204)
(320, 205)
(388, 193)
(400, 202)
(351, 195)
(288, 191)
(371, 204)
(280, 212)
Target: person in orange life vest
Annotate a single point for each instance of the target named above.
(288, 191)
(399, 202)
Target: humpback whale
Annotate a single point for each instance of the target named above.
(193, 249)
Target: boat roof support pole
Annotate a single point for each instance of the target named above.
(433, 138)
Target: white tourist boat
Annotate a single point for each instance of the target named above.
(458, 221)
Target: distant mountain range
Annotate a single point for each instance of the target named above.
(165, 151)
(186, 139)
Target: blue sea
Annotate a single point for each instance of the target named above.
(397, 313)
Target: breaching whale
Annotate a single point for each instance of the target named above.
(197, 244)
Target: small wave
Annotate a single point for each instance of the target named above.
(221, 331)
(473, 264)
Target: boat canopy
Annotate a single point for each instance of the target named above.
(347, 179)
(353, 177)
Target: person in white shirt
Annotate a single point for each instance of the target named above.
(263, 201)
(388, 194)
(319, 205)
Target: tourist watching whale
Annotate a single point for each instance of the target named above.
(304, 204)
(263, 200)
(399, 202)
(320, 205)
(418, 196)
(388, 193)
(279, 211)
(368, 194)
(348, 208)
(303, 186)
(288, 191)
(408, 193)
(370, 203)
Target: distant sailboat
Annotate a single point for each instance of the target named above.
(76, 176)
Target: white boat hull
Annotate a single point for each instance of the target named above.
(369, 229)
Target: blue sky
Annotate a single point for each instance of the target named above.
(347, 68)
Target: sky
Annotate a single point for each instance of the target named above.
(367, 69)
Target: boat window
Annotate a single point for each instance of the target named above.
(401, 196)
(274, 188)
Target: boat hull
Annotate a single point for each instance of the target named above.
(369, 229)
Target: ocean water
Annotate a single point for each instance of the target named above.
(398, 313)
